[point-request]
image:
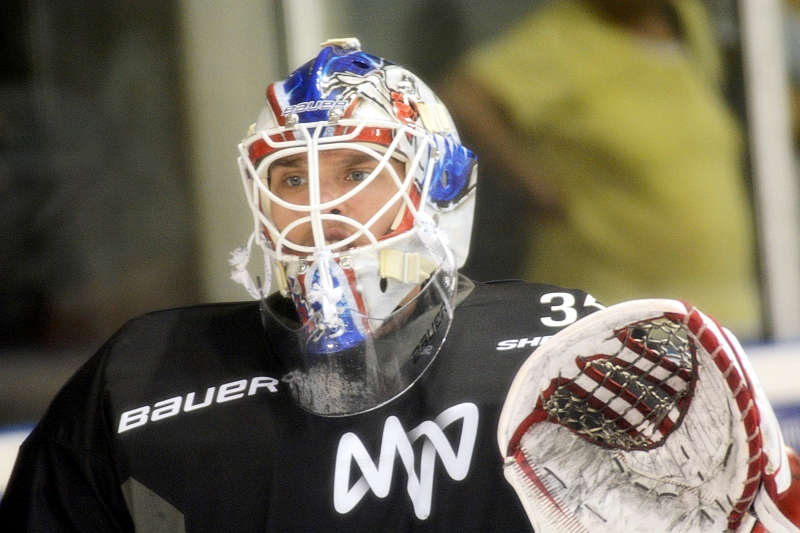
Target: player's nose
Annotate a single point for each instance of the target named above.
(330, 193)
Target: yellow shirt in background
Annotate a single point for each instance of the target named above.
(639, 140)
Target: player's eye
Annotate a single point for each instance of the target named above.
(358, 175)
(295, 181)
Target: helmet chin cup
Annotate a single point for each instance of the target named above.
(361, 363)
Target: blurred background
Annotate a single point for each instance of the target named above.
(119, 191)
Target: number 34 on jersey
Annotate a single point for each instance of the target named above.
(562, 311)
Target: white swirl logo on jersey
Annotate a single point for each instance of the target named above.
(396, 441)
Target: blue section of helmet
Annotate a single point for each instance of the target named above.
(450, 180)
(347, 335)
(303, 85)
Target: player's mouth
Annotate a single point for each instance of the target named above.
(336, 234)
(332, 235)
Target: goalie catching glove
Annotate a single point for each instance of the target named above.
(645, 416)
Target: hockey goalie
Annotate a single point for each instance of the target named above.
(647, 416)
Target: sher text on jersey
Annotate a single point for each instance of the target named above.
(513, 344)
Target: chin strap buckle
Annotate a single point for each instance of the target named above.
(406, 267)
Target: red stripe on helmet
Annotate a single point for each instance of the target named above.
(277, 111)
(260, 149)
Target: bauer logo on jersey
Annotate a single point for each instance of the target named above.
(397, 442)
(226, 392)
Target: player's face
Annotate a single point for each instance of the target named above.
(340, 171)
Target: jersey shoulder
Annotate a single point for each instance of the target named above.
(194, 330)
(526, 294)
(169, 348)
(215, 317)
(519, 315)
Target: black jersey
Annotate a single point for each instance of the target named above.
(181, 423)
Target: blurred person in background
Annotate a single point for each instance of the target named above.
(609, 115)
(791, 35)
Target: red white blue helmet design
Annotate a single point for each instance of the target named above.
(346, 288)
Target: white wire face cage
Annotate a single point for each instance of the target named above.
(349, 284)
(415, 243)
(315, 212)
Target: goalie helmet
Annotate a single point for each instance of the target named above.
(362, 200)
